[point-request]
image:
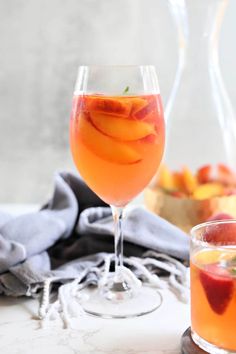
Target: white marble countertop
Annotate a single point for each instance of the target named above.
(155, 333)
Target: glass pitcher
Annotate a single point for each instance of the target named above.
(197, 178)
(201, 126)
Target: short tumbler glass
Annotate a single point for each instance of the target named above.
(213, 286)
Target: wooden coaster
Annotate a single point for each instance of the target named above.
(188, 346)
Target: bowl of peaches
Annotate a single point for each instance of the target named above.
(186, 199)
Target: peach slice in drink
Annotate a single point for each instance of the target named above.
(108, 105)
(146, 110)
(104, 146)
(137, 104)
(123, 129)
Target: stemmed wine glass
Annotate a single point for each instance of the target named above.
(117, 139)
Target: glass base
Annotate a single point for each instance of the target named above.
(124, 305)
(188, 346)
(208, 347)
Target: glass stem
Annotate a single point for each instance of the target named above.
(117, 213)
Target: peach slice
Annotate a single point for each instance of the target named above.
(225, 174)
(119, 107)
(165, 178)
(137, 104)
(104, 146)
(124, 129)
(153, 105)
(178, 181)
(149, 139)
(205, 174)
(148, 108)
(189, 180)
(208, 190)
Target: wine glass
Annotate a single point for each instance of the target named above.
(117, 139)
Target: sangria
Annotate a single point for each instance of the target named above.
(213, 286)
(117, 143)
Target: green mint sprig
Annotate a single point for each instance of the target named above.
(126, 90)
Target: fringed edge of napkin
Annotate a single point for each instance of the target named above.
(68, 303)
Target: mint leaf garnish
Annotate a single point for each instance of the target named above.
(126, 90)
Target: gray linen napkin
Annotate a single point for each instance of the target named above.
(72, 233)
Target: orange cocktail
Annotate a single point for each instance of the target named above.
(117, 143)
(213, 286)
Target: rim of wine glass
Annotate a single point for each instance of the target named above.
(117, 66)
(194, 236)
(148, 69)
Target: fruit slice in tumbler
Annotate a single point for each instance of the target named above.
(108, 105)
(124, 129)
(218, 287)
(105, 147)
